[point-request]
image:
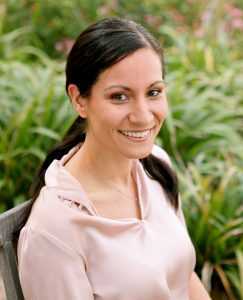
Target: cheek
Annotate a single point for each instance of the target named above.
(105, 118)
(165, 109)
(161, 110)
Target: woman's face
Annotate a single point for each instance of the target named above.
(127, 106)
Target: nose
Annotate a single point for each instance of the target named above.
(141, 113)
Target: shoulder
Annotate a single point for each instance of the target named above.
(35, 238)
(54, 220)
(161, 154)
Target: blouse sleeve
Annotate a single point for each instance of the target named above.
(49, 269)
(162, 154)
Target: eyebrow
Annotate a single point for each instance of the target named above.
(129, 89)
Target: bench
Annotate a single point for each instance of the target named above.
(11, 222)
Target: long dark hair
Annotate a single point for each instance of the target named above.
(97, 48)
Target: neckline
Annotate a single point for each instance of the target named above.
(91, 204)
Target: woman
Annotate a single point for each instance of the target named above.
(106, 222)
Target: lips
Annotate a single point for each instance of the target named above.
(138, 134)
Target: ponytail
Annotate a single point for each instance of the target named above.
(73, 136)
(159, 170)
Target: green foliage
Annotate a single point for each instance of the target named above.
(214, 213)
(36, 114)
(203, 132)
(45, 19)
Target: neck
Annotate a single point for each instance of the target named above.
(103, 167)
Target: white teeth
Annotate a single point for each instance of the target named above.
(137, 134)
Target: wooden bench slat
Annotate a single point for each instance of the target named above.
(11, 222)
(10, 273)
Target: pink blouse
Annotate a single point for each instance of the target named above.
(68, 251)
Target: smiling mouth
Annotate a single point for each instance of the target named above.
(138, 134)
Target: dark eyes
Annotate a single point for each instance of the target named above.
(154, 93)
(120, 97)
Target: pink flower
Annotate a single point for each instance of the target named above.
(64, 45)
(237, 24)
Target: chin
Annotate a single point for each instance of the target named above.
(138, 153)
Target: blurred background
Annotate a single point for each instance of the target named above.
(203, 42)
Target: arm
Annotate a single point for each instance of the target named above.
(196, 289)
(50, 269)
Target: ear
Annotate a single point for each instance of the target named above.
(79, 103)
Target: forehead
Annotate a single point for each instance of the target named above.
(140, 68)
